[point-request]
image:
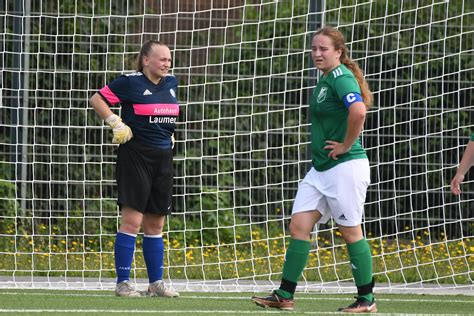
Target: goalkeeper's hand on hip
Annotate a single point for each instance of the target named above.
(122, 132)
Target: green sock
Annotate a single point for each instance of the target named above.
(361, 261)
(295, 262)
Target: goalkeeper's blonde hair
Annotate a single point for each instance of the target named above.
(145, 51)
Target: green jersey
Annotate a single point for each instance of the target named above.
(329, 117)
(472, 137)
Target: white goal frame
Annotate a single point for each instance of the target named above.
(245, 78)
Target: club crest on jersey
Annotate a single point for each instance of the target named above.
(322, 94)
(172, 93)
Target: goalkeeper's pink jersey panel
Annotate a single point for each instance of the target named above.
(156, 109)
(109, 95)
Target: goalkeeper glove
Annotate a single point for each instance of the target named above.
(122, 133)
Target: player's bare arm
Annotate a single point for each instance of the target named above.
(355, 125)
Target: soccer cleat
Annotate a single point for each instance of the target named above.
(274, 301)
(125, 289)
(158, 288)
(360, 306)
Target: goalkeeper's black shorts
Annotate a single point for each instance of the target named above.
(145, 178)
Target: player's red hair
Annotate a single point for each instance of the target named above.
(340, 44)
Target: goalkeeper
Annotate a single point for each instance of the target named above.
(144, 168)
(466, 163)
(337, 183)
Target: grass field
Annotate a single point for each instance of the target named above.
(56, 302)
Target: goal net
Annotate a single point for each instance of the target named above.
(245, 76)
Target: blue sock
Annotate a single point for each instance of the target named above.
(153, 252)
(124, 249)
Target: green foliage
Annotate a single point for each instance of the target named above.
(8, 204)
(244, 112)
(235, 137)
(244, 128)
(256, 250)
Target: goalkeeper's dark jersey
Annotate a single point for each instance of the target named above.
(149, 109)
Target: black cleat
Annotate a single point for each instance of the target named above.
(360, 306)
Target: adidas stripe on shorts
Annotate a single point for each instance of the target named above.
(338, 192)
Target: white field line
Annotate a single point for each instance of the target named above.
(260, 312)
(321, 297)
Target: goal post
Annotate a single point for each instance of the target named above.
(245, 77)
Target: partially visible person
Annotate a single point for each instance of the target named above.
(144, 169)
(466, 163)
(336, 185)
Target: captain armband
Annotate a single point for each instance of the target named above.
(351, 98)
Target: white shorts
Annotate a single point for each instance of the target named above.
(338, 192)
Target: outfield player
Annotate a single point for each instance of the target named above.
(466, 163)
(144, 168)
(336, 185)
